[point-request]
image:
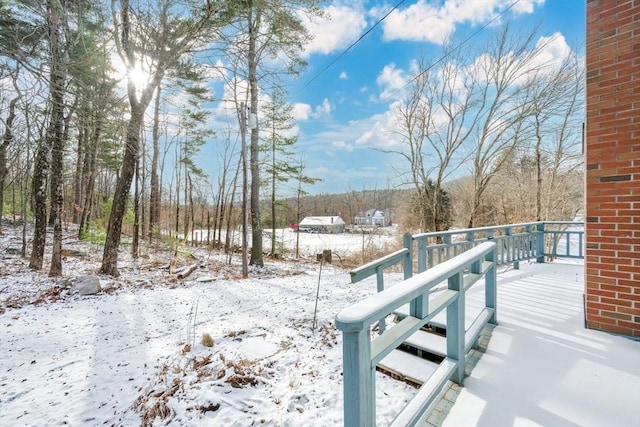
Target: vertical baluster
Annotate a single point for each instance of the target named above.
(491, 289)
(507, 246)
(422, 254)
(407, 265)
(382, 324)
(447, 241)
(540, 246)
(580, 236)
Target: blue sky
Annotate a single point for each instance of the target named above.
(344, 114)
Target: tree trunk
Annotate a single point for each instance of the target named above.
(53, 140)
(6, 141)
(256, 226)
(89, 175)
(154, 202)
(57, 195)
(77, 176)
(114, 227)
(538, 172)
(57, 156)
(136, 214)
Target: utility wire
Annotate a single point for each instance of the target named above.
(344, 52)
(443, 57)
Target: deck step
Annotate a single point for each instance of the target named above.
(407, 367)
(428, 342)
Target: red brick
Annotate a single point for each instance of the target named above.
(612, 262)
(629, 297)
(629, 310)
(630, 268)
(630, 283)
(616, 302)
(603, 294)
(602, 319)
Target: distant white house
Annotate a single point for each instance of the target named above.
(373, 217)
(322, 224)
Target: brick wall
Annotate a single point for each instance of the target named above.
(612, 264)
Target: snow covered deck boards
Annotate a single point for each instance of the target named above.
(406, 367)
(542, 367)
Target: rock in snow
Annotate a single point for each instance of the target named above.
(84, 285)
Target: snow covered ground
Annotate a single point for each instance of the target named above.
(123, 358)
(379, 239)
(132, 355)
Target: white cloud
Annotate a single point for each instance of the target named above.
(390, 80)
(343, 76)
(435, 21)
(378, 131)
(526, 6)
(323, 110)
(342, 26)
(301, 111)
(553, 50)
(550, 52)
(343, 145)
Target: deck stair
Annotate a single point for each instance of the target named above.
(404, 366)
(415, 360)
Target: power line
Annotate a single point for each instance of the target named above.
(344, 52)
(443, 57)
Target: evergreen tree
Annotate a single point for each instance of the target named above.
(434, 212)
(277, 150)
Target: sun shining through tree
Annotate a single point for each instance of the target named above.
(150, 40)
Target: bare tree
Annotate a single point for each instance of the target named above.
(557, 96)
(154, 38)
(504, 104)
(433, 122)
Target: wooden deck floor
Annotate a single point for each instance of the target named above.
(542, 367)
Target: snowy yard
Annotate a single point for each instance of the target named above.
(122, 357)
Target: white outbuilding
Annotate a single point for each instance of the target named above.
(322, 224)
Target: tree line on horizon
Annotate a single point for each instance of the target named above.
(487, 136)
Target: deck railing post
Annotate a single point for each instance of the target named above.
(407, 265)
(382, 324)
(447, 241)
(580, 235)
(525, 251)
(456, 328)
(358, 379)
(422, 255)
(470, 239)
(491, 287)
(540, 248)
(488, 234)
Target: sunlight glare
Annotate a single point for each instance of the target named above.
(139, 77)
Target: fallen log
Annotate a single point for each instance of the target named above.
(186, 271)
